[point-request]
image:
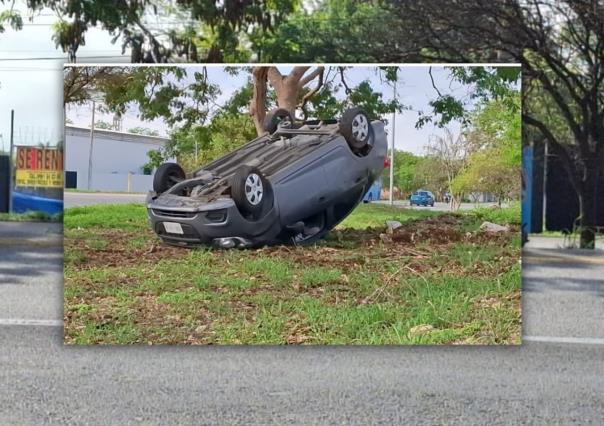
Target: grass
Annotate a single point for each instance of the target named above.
(93, 191)
(502, 216)
(437, 281)
(31, 216)
(127, 217)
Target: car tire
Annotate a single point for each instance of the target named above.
(249, 189)
(274, 118)
(166, 176)
(356, 129)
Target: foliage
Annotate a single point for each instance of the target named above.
(487, 172)
(147, 28)
(486, 83)
(494, 162)
(406, 172)
(203, 144)
(345, 31)
(143, 131)
(430, 175)
(103, 125)
(10, 17)
(501, 215)
(559, 45)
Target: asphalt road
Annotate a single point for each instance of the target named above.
(544, 381)
(78, 199)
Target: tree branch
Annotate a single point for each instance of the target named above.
(310, 77)
(312, 92)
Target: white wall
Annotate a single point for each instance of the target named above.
(117, 182)
(115, 155)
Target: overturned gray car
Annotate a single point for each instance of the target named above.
(291, 185)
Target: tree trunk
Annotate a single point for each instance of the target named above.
(588, 202)
(258, 102)
(287, 89)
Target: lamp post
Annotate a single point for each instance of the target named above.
(91, 146)
(11, 168)
(94, 97)
(391, 196)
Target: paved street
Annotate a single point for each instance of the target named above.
(544, 381)
(77, 199)
(31, 273)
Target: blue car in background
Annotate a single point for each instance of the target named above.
(422, 198)
(374, 193)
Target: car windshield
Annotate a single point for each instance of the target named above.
(422, 193)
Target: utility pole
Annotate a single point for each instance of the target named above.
(391, 195)
(544, 211)
(11, 169)
(91, 147)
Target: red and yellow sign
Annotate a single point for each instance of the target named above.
(39, 167)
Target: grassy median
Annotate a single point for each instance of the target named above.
(436, 280)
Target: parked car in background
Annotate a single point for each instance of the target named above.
(374, 193)
(290, 185)
(422, 198)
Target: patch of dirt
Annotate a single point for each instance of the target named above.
(350, 250)
(120, 251)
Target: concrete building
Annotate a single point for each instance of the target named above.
(117, 160)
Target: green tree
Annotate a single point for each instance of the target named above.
(10, 17)
(153, 31)
(333, 31)
(429, 174)
(405, 171)
(560, 45)
(488, 172)
(494, 163)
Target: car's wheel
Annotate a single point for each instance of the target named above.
(166, 176)
(356, 129)
(276, 117)
(249, 189)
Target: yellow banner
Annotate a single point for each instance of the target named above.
(40, 178)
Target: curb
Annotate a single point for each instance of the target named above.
(568, 259)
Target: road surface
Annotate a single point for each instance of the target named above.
(78, 199)
(545, 381)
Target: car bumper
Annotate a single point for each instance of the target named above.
(218, 223)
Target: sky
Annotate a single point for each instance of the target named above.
(33, 88)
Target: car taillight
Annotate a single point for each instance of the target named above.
(386, 162)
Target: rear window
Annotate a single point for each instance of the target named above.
(422, 193)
